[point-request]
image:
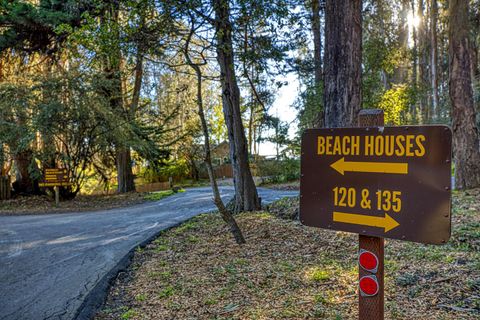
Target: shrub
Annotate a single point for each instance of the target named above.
(278, 171)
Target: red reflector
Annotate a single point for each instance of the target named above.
(368, 261)
(368, 285)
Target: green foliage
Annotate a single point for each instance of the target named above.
(162, 170)
(78, 132)
(166, 292)
(73, 129)
(381, 59)
(216, 122)
(129, 314)
(395, 102)
(309, 105)
(319, 275)
(279, 170)
(279, 137)
(33, 27)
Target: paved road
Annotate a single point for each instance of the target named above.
(56, 266)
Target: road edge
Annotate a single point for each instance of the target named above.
(96, 298)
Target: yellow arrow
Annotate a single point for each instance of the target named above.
(373, 167)
(387, 222)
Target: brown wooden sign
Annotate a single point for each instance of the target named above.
(391, 182)
(55, 177)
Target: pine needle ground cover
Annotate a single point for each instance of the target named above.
(45, 204)
(288, 271)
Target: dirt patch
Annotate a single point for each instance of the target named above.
(289, 271)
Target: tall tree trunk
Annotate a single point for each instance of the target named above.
(317, 59)
(125, 178)
(2, 160)
(24, 163)
(255, 151)
(423, 63)
(444, 109)
(343, 57)
(381, 21)
(434, 59)
(227, 216)
(250, 126)
(414, 79)
(465, 133)
(246, 197)
(400, 72)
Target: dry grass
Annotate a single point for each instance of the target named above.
(288, 271)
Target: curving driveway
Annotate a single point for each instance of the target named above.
(58, 266)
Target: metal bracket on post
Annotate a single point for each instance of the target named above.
(372, 307)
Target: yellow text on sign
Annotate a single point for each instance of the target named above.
(379, 145)
(386, 200)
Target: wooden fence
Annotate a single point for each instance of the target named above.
(5, 188)
(223, 171)
(151, 187)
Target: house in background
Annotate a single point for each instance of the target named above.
(221, 162)
(221, 154)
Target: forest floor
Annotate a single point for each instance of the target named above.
(46, 204)
(289, 271)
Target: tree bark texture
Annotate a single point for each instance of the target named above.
(226, 215)
(414, 80)
(400, 72)
(125, 178)
(423, 76)
(465, 133)
(434, 59)
(342, 62)
(24, 182)
(317, 56)
(246, 197)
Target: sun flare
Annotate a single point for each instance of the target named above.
(413, 20)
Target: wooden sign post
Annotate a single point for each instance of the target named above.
(372, 308)
(379, 182)
(55, 177)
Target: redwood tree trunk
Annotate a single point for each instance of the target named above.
(343, 58)
(434, 59)
(423, 63)
(400, 71)
(125, 178)
(317, 57)
(246, 197)
(24, 182)
(414, 79)
(465, 132)
(124, 171)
